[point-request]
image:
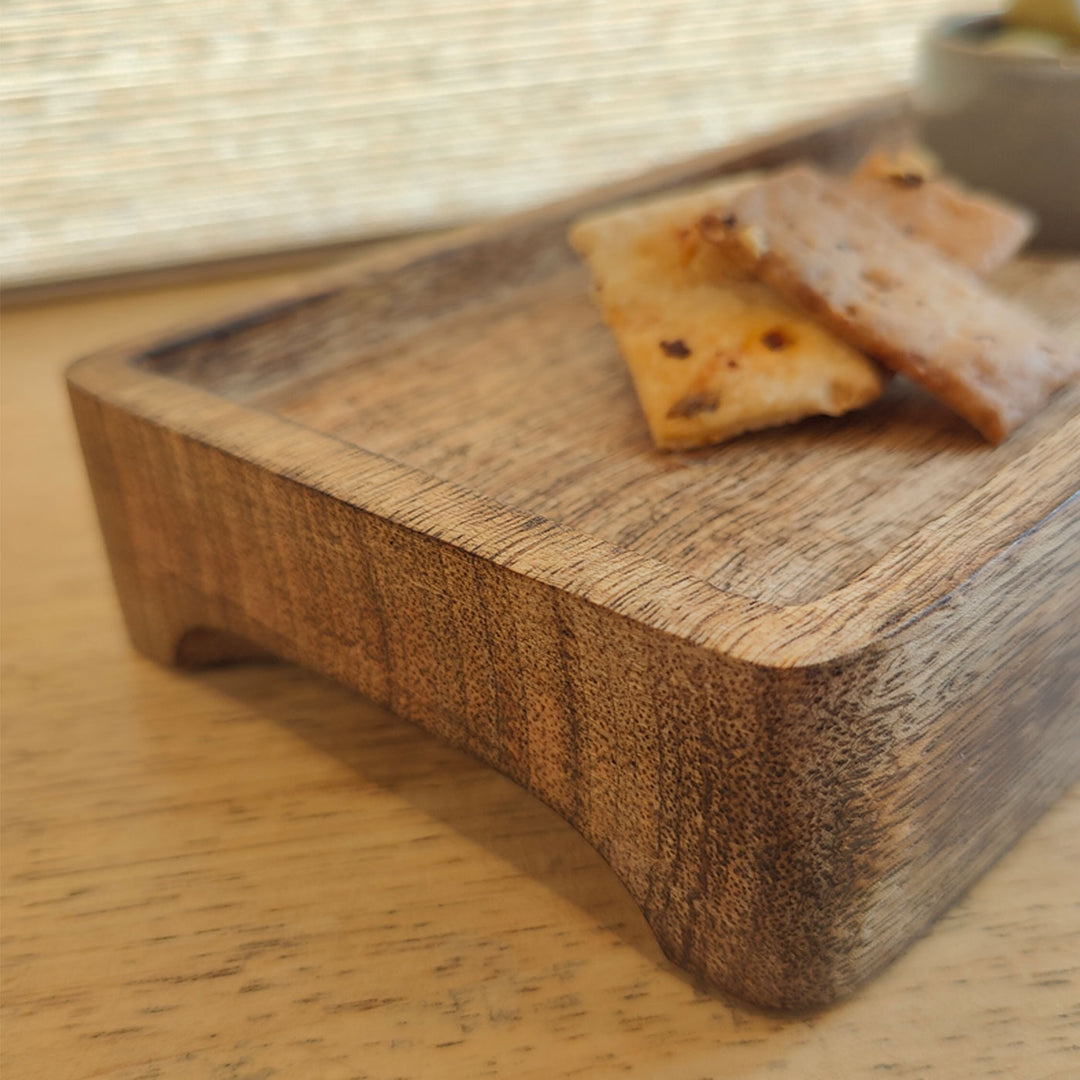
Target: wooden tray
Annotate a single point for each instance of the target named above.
(799, 690)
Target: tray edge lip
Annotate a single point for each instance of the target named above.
(755, 631)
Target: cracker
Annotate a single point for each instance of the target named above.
(975, 229)
(712, 353)
(895, 297)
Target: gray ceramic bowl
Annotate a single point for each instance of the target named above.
(1009, 124)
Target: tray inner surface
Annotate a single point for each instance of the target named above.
(491, 369)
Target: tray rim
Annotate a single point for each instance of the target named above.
(891, 594)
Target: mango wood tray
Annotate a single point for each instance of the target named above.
(798, 690)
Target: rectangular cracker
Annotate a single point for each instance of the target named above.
(895, 297)
(712, 353)
(975, 229)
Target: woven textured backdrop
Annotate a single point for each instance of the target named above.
(145, 133)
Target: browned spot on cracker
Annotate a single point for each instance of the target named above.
(712, 222)
(776, 338)
(908, 179)
(677, 349)
(693, 404)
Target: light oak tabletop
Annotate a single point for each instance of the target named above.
(251, 873)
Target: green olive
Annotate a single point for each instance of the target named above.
(1058, 17)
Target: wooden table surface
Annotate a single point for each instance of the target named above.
(252, 873)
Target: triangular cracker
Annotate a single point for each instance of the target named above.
(712, 352)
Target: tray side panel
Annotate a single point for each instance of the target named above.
(884, 785)
(785, 831)
(665, 756)
(987, 736)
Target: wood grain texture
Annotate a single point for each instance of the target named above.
(252, 872)
(791, 779)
